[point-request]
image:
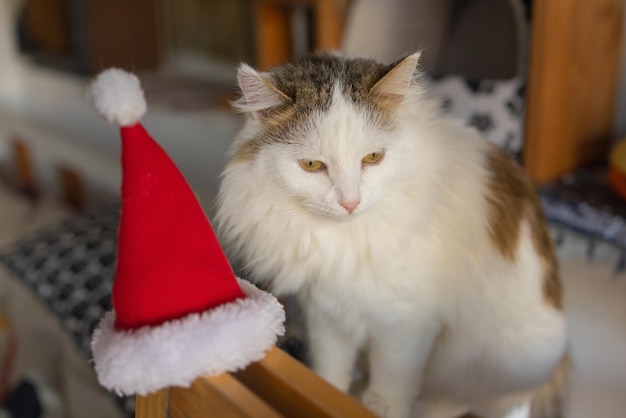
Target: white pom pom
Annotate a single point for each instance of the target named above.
(117, 95)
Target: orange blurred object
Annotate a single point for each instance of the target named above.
(617, 181)
(617, 168)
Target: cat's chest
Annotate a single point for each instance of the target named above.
(364, 282)
(376, 258)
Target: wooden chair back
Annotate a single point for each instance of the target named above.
(276, 386)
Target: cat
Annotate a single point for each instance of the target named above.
(404, 235)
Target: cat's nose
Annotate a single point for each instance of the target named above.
(350, 205)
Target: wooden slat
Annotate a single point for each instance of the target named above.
(277, 386)
(72, 187)
(296, 391)
(273, 30)
(24, 169)
(573, 77)
(273, 34)
(330, 16)
(207, 397)
(201, 400)
(234, 391)
(153, 405)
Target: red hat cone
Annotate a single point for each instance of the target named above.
(170, 263)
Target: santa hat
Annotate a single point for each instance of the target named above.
(179, 312)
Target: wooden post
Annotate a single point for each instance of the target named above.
(273, 33)
(330, 16)
(72, 188)
(24, 169)
(574, 65)
(152, 406)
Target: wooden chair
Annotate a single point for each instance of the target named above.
(276, 386)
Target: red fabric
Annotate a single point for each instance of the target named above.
(170, 263)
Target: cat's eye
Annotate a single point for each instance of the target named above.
(312, 165)
(373, 157)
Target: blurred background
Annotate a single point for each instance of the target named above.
(543, 79)
(186, 53)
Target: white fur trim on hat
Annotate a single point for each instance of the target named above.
(117, 95)
(224, 339)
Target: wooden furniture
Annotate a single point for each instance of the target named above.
(572, 84)
(572, 79)
(25, 177)
(276, 386)
(273, 27)
(69, 180)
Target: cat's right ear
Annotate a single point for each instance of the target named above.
(259, 95)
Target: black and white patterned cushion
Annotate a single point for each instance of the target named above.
(71, 267)
(494, 107)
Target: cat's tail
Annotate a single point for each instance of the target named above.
(550, 399)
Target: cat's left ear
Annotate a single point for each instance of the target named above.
(259, 94)
(397, 82)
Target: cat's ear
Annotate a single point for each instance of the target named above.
(259, 94)
(397, 82)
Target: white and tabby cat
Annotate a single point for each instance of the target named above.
(404, 234)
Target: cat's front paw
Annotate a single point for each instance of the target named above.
(385, 407)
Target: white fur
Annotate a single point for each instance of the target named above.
(226, 338)
(117, 95)
(411, 276)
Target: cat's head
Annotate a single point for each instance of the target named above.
(324, 130)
